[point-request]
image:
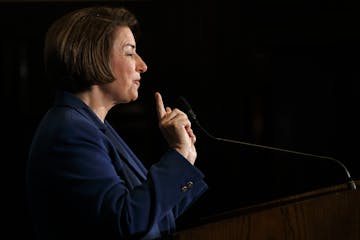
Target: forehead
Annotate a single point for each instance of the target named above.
(124, 35)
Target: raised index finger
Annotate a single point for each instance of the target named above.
(159, 105)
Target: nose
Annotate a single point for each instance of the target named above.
(140, 65)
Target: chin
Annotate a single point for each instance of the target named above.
(134, 98)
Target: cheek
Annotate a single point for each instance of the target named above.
(122, 77)
(121, 69)
(115, 65)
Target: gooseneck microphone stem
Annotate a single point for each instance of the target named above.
(351, 182)
(192, 116)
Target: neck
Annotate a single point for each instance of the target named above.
(97, 101)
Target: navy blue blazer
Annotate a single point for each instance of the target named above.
(84, 182)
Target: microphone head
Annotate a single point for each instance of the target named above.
(184, 105)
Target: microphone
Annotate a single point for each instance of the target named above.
(183, 104)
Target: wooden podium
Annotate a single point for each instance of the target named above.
(326, 214)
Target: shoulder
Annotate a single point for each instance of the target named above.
(67, 123)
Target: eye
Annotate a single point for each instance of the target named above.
(129, 50)
(129, 54)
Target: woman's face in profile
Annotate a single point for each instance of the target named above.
(126, 66)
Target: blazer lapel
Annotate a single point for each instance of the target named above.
(68, 99)
(126, 152)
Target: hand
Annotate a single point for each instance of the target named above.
(176, 129)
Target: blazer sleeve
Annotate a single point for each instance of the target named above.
(85, 185)
(177, 183)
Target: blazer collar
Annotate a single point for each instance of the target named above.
(70, 100)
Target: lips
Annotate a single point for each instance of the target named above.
(137, 82)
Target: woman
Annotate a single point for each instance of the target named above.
(83, 181)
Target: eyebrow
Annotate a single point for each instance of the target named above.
(130, 45)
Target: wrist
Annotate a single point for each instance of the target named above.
(187, 154)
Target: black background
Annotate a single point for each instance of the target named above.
(267, 72)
